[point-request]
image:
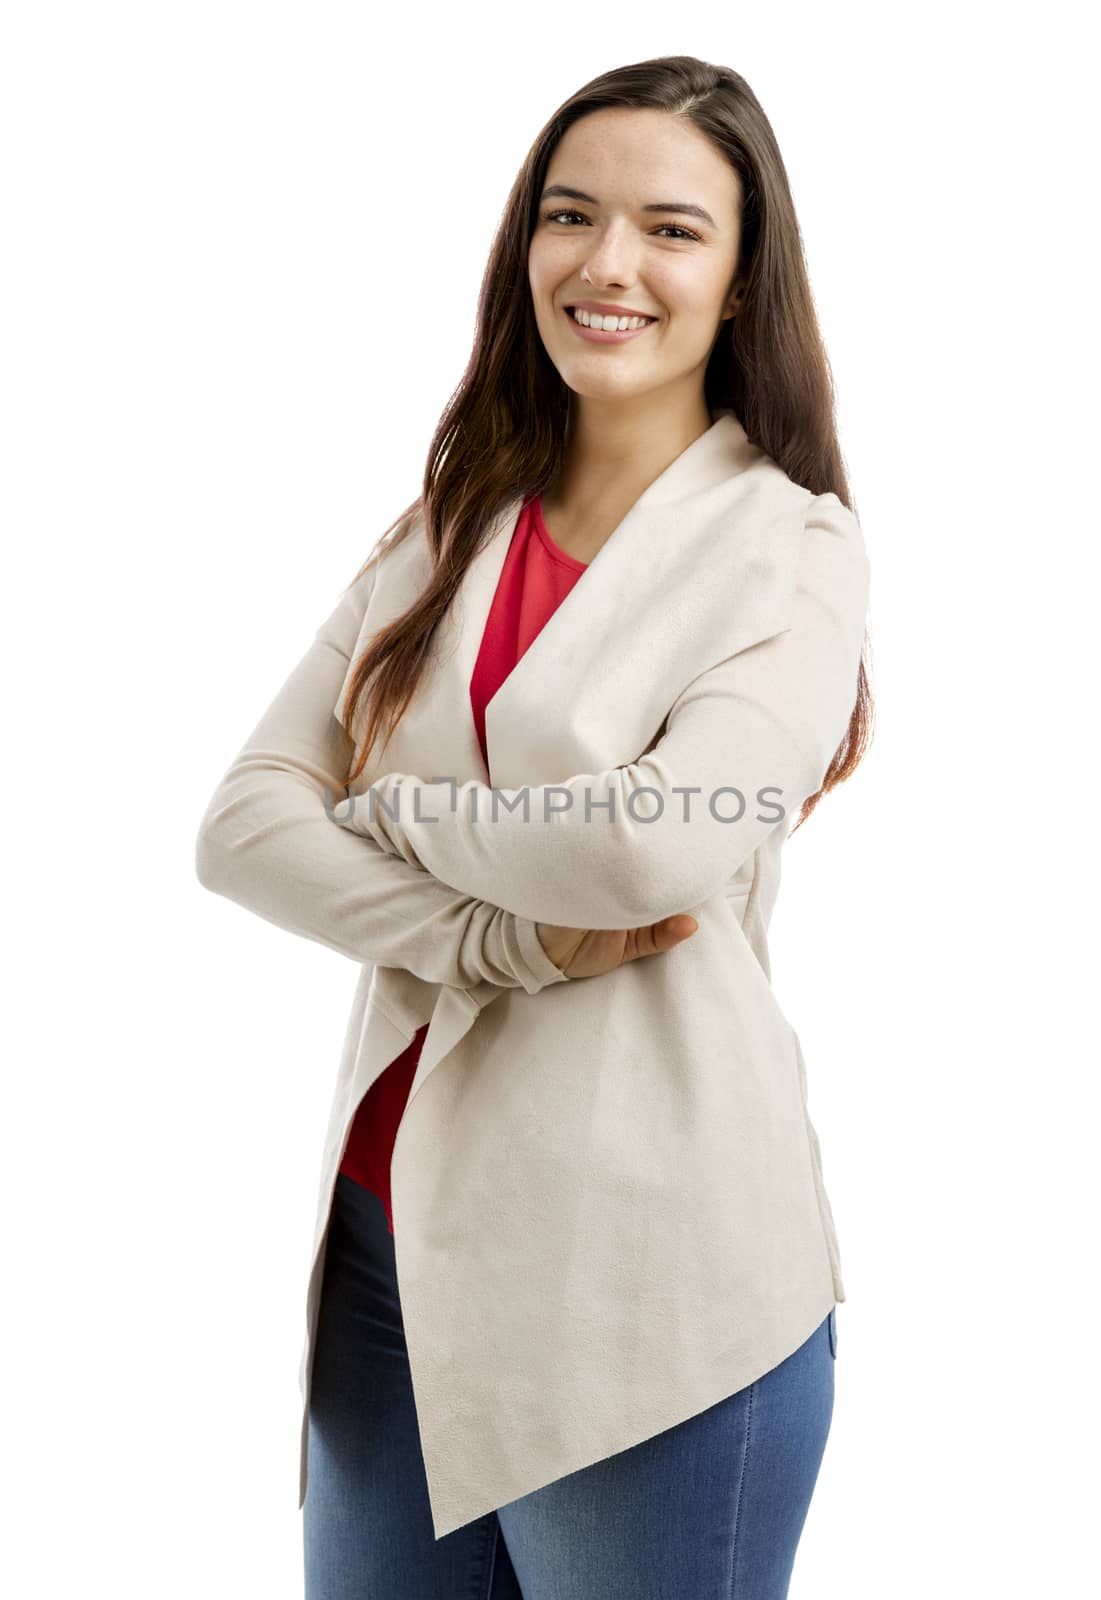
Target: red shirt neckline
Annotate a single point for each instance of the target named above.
(555, 551)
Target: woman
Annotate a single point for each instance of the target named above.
(633, 575)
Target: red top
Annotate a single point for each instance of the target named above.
(536, 577)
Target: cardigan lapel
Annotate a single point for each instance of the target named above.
(699, 567)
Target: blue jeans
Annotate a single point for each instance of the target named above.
(711, 1509)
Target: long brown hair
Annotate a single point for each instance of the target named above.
(503, 431)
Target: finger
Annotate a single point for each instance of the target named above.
(665, 934)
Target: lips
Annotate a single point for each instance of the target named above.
(609, 336)
(571, 310)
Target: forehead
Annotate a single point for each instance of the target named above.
(626, 156)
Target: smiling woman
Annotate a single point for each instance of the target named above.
(573, 1256)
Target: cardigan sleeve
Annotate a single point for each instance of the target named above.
(744, 744)
(267, 841)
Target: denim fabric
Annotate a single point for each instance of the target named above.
(711, 1509)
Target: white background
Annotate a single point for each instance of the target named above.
(242, 250)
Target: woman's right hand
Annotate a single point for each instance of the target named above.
(588, 952)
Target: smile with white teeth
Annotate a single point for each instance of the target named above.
(608, 323)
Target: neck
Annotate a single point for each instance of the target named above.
(614, 452)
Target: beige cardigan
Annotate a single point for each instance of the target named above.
(608, 1201)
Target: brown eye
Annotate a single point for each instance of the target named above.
(664, 227)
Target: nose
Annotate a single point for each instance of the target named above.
(612, 258)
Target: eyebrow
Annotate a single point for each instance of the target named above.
(683, 207)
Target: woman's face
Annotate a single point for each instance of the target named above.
(628, 244)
